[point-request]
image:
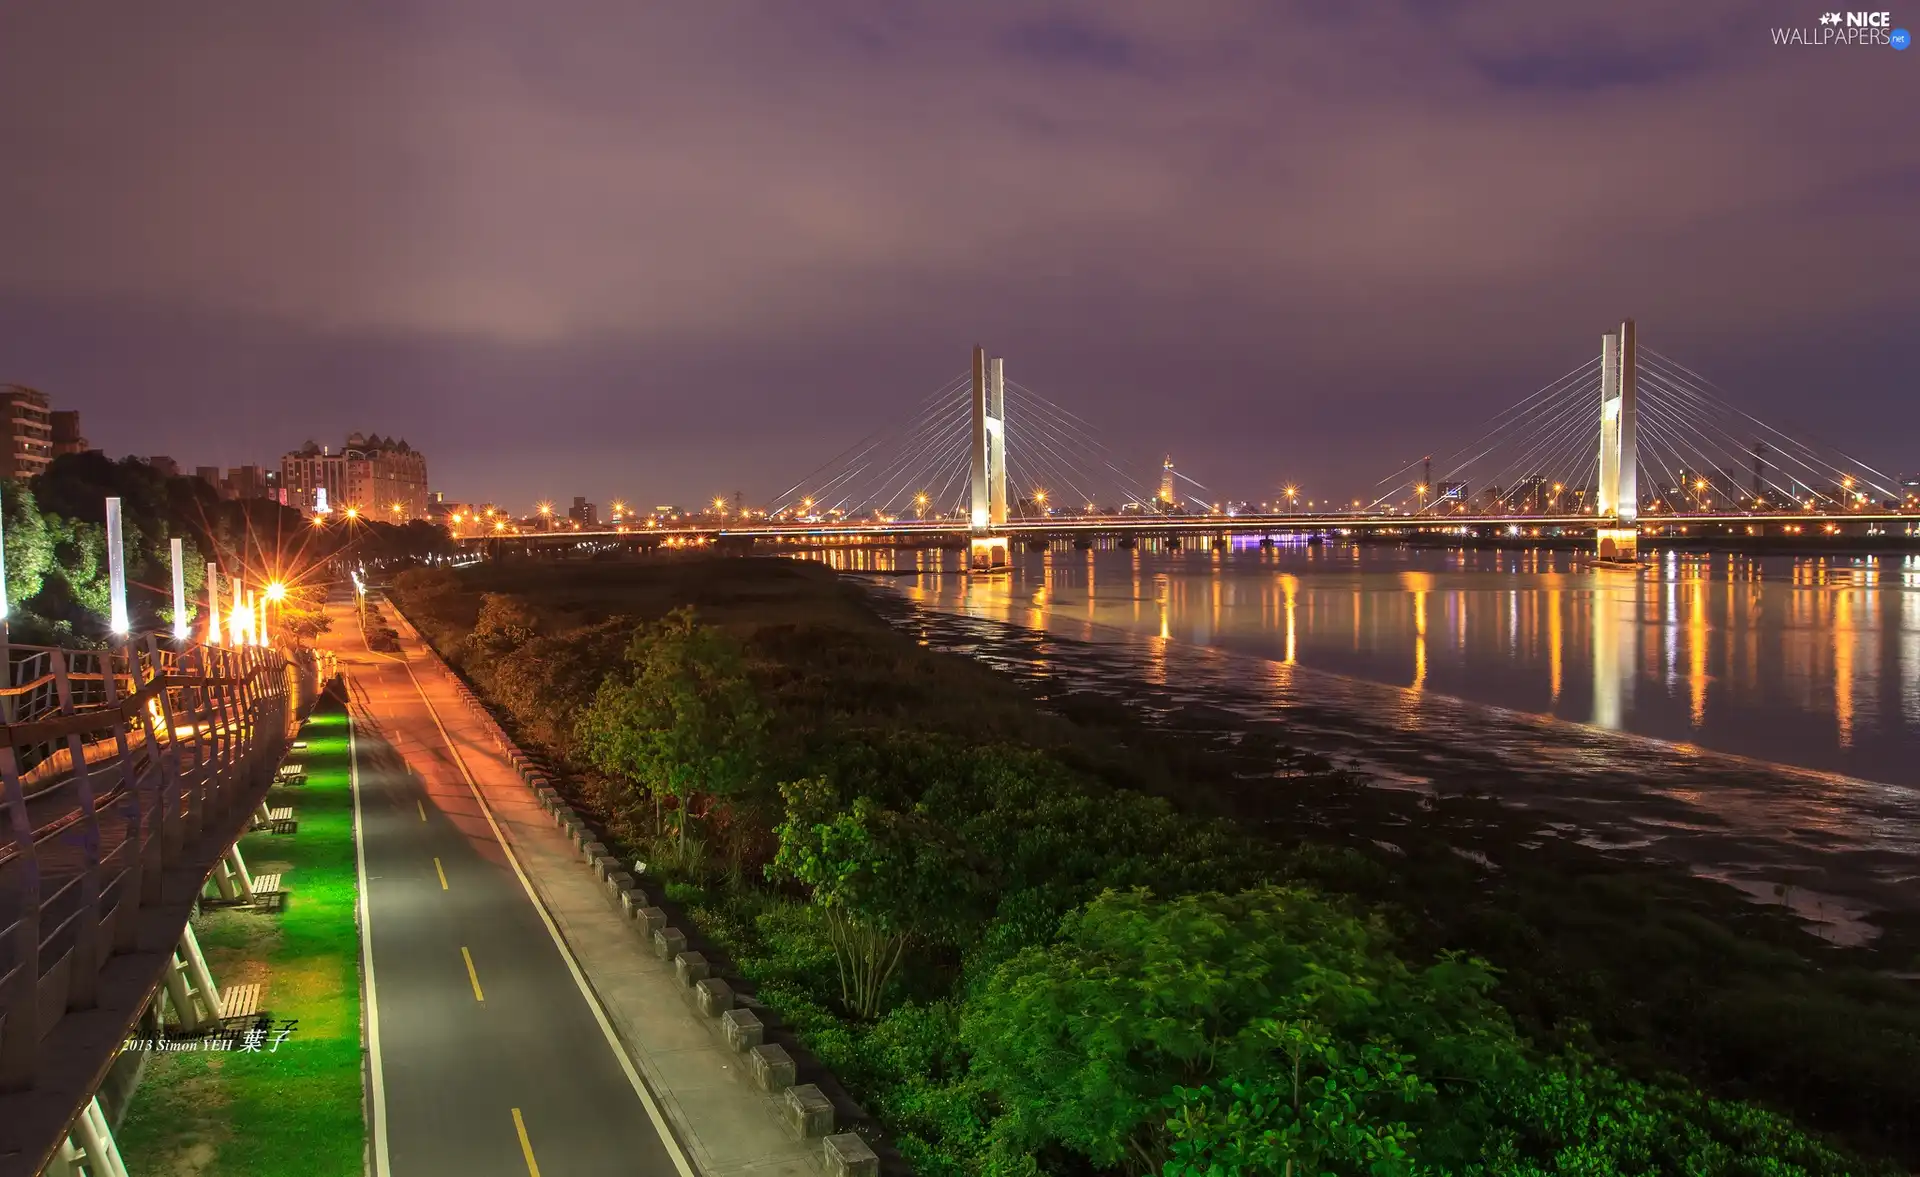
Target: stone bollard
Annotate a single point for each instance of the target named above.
(714, 996)
(650, 919)
(772, 1068)
(807, 1111)
(669, 943)
(743, 1029)
(620, 883)
(690, 968)
(593, 851)
(847, 1155)
(605, 866)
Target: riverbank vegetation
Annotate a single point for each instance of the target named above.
(1035, 935)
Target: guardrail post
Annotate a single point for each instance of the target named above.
(20, 988)
(134, 846)
(226, 761)
(209, 737)
(87, 956)
(170, 776)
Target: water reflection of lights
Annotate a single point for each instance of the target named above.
(1290, 589)
(1807, 661)
(1555, 653)
(1421, 584)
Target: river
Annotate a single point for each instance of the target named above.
(1756, 719)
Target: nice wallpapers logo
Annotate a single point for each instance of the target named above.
(1847, 29)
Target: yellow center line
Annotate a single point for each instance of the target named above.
(471, 975)
(526, 1146)
(439, 870)
(422, 805)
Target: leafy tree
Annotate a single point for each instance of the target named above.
(1316, 1113)
(75, 589)
(29, 543)
(885, 878)
(684, 722)
(1088, 1041)
(506, 623)
(302, 615)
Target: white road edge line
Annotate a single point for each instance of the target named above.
(377, 1104)
(667, 1138)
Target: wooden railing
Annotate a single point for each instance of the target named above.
(125, 773)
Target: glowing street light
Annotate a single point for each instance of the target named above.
(353, 512)
(116, 572)
(177, 550)
(213, 602)
(276, 591)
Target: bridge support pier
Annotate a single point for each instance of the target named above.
(987, 553)
(189, 986)
(1618, 543)
(230, 878)
(89, 1150)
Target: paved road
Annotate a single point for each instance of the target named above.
(490, 1058)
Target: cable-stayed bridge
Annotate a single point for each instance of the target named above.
(1630, 442)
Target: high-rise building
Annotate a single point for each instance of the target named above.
(28, 432)
(67, 438)
(375, 477)
(248, 482)
(584, 513)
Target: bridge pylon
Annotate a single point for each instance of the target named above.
(989, 482)
(1619, 490)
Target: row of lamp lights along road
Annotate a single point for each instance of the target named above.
(495, 520)
(248, 620)
(248, 623)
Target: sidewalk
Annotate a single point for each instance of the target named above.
(726, 1125)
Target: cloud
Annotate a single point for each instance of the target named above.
(1350, 191)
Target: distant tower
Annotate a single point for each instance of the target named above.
(989, 481)
(1618, 501)
(1619, 408)
(1166, 481)
(1759, 470)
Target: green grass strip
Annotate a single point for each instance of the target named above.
(294, 1111)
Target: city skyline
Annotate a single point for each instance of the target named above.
(1334, 242)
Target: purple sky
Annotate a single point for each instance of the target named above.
(661, 251)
